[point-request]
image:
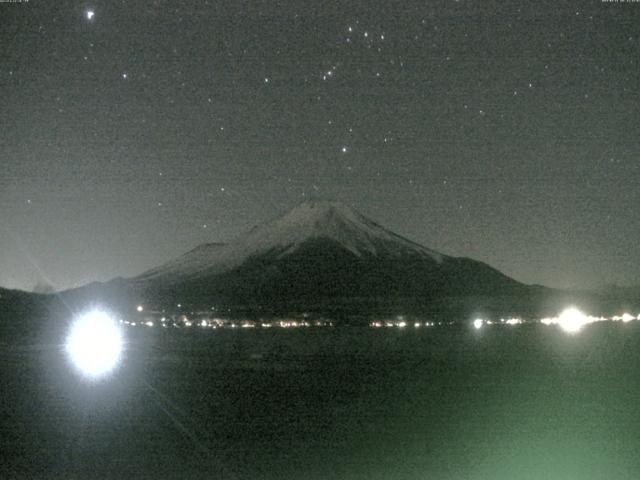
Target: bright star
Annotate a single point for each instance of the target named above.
(90, 14)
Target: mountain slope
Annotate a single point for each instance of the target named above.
(310, 220)
(317, 253)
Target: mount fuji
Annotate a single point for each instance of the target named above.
(320, 253)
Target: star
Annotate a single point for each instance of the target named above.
(89, 14)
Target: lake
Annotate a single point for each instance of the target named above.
(449, 402)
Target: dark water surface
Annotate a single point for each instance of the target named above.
(522, 402)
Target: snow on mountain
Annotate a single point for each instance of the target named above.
(191, 261)
(310, 220)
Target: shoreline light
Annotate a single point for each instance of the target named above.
(627, 317)
(94, 343)
(572, 320)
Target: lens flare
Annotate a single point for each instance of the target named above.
(94, 343)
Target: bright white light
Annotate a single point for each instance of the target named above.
(478, 323)
(90, 14)
(140, 308)
(94, 343)
(627, 317)
(572, 320)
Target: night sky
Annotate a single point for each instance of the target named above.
(131, 132)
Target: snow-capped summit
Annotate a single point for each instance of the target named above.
(311, 220)
(333, 221)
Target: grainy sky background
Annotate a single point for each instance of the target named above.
(131, 132)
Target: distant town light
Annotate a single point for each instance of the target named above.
(477, 323)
